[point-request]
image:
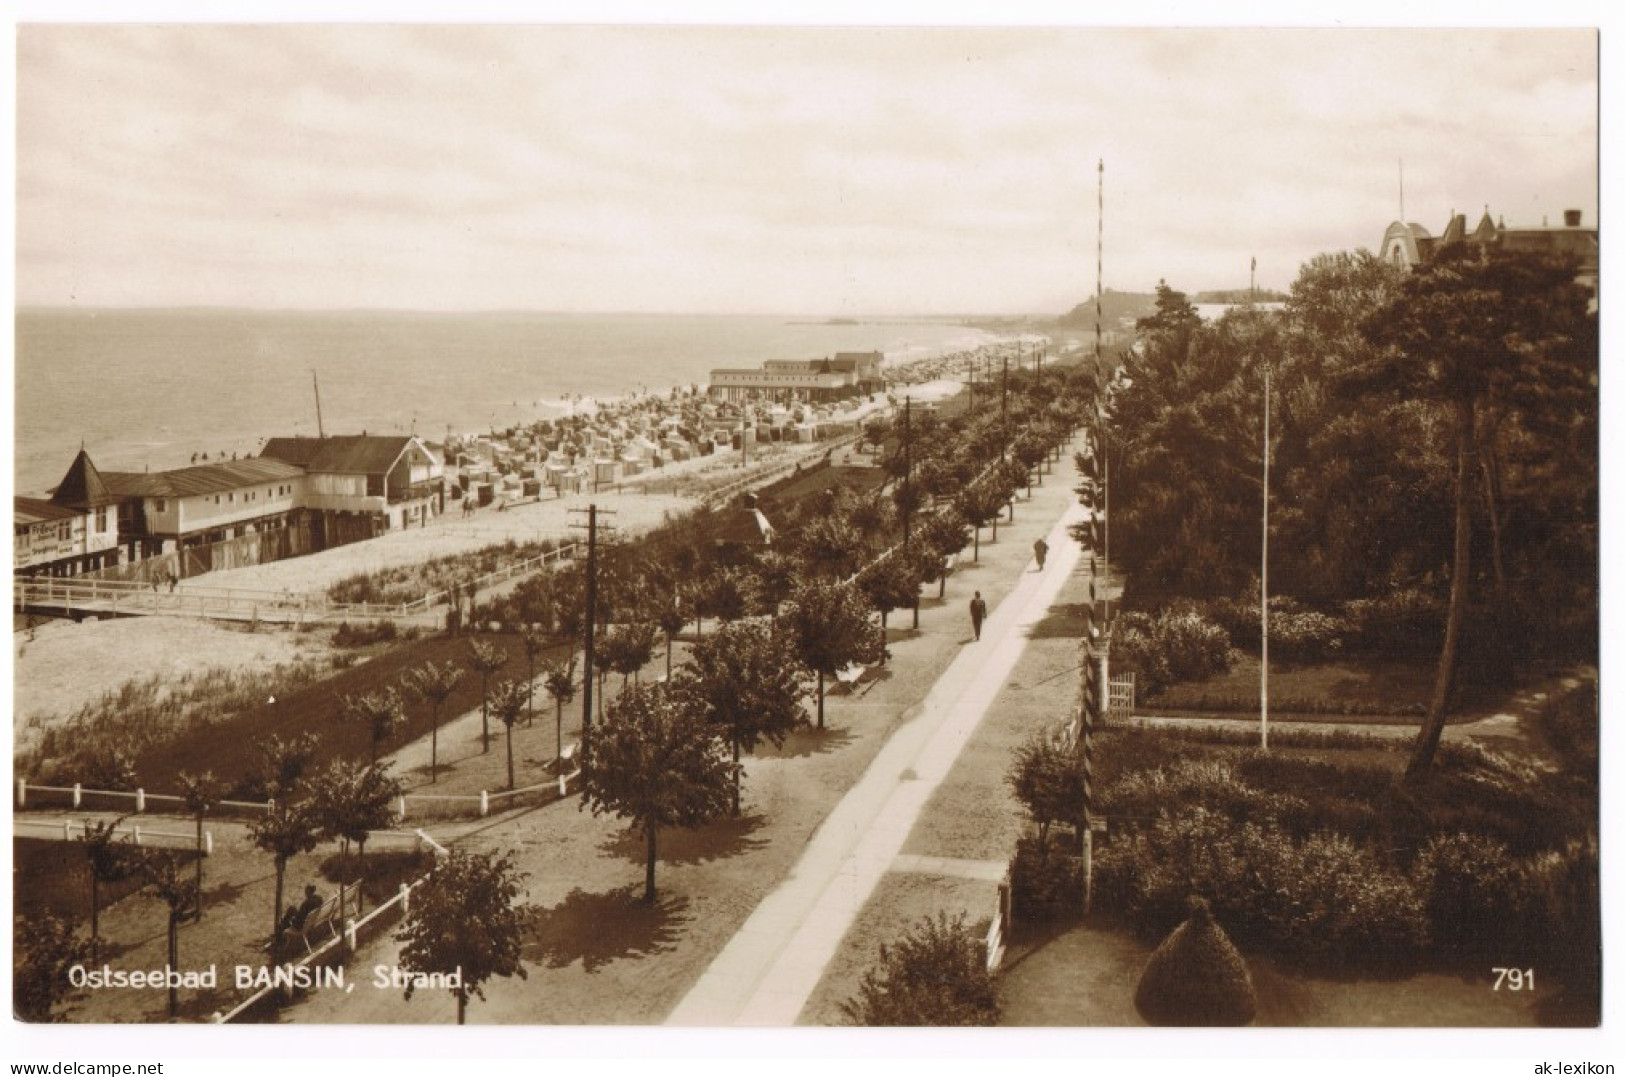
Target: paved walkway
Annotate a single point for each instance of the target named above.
(765, 974)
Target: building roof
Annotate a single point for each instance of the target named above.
(202, 479)
(34, 510)
(347, 454)
(83, 487)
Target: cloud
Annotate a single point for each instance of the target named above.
(758, 168)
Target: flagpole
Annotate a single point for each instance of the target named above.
(1264, 583)
(1264, 565)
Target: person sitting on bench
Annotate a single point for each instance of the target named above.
(294, 916)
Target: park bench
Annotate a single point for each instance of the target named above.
(327, 916)
(851, 674)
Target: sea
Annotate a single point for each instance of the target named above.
(148, 389)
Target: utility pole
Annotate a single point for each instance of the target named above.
(591, 619)
(1004, 406)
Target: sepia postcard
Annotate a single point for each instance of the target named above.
(784, 527)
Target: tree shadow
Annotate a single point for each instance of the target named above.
(596, 929)
(221, 894)
(805, 741)
(728, 836)
(1068, 620)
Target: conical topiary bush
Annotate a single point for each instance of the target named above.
(1196, 977)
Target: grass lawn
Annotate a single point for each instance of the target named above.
(1085, 975)
(1352, 690)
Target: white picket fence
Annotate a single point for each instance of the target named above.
(133, 833)
(138, 798)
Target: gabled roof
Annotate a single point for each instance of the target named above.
(82, 487)
(202, 479)
(348, 454)
(34, 510)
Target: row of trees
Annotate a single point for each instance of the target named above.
(1431, 432)
(670, 754)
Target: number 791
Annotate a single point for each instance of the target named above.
(1514, 979)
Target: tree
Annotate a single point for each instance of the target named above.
(980, 504)
(936, 974)
(380, 713)
(944, 534)
(890, 583)
(291, 826)
(561, 685)
(508, 703)
(775, 576)
(1046, 777)
(286, 831)
(1457, 331)
(628, 648)
(162, 872)
(656, 764)
(534, 642)
(671, 621)
(466, 920)
(200, 793)
(746, 682)
(830, 545)
(435, 684)
(728, 594)
(282, 763)
(352, 802)
(109, 861)
(488, 659)
(47, 948)
(829, 626)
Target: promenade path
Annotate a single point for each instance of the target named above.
(767, 972)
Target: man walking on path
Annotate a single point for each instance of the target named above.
(978, 613)
(1040, 550)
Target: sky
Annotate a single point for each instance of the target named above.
(766, 169)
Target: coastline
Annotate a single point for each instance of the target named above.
(158, 377)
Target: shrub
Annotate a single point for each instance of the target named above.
(1046, 884)
(47, 948)
(1048, 780)
(1569, 724)
(1196, 977)
(1399, 623)
(380, 631)
(1296, 632)
(1322, 900)
(1178, 644)
(936, 974)
(1480, 899)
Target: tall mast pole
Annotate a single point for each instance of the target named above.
(317, 386)
(1264, 585)
(1264, 564)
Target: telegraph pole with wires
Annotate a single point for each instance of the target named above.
(1004, 406)
(591, 621)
